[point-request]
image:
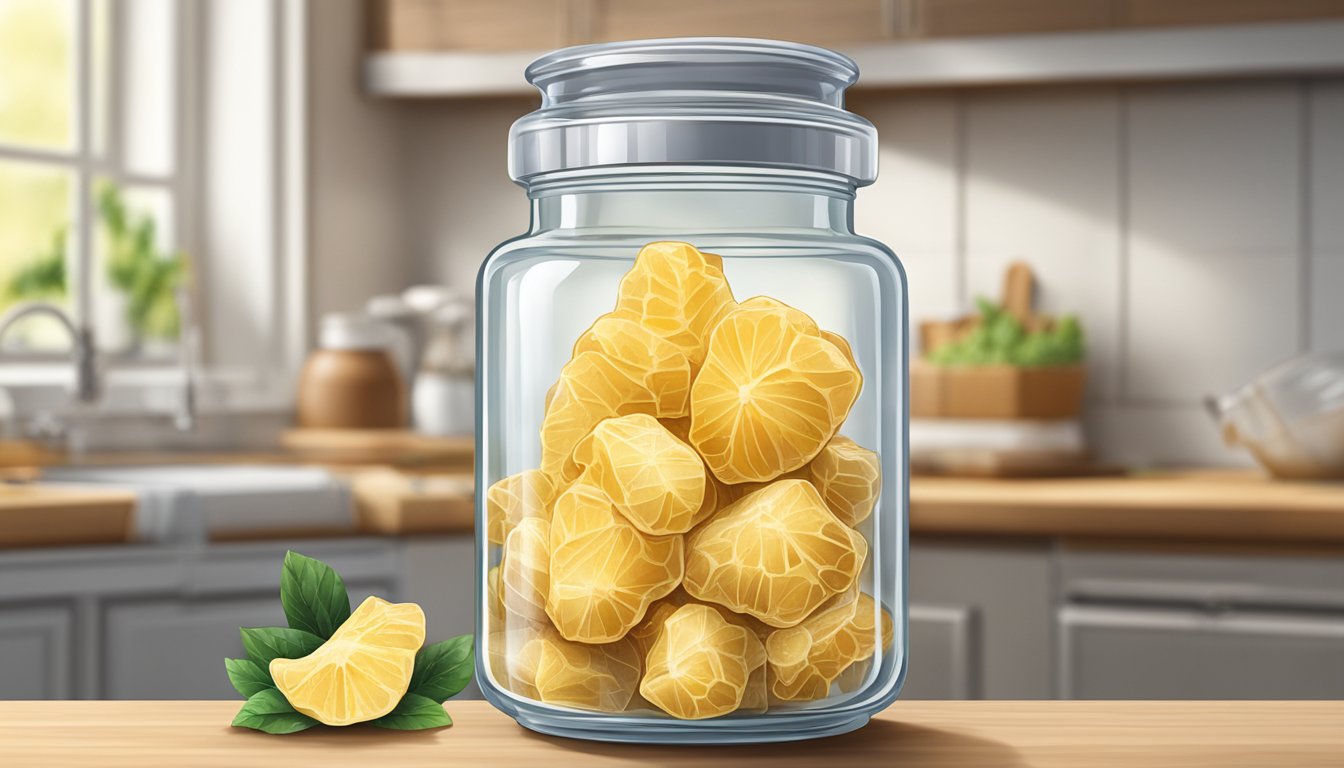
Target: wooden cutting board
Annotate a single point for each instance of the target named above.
(46, 516)
(22, 453)
(397, 503)
(1008, 464)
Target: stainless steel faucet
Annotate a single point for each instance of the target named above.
(188, 352)
(83, 351)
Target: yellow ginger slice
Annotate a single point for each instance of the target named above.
(540, 664)
(700, 665)
(776, 554)
(678, 293)
(362, 671)
(604, 572)
(842, 345)
(756, 697)
(509, 501)
(849, 479)
(494, 593)
(805, 660)
(771, 393)
(654, 479)
(591, 388)
(524, 569)
(655, 363)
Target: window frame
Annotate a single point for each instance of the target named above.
(265, 380)
(87, 164)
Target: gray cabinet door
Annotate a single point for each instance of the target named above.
(944, 653)
(1116, 652)
(980, 621)
(174, 648)
(35, 652)
(439, 574)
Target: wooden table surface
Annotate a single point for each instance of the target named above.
(908, 735)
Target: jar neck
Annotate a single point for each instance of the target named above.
(693, 202)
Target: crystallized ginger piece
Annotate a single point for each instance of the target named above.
(526, 494)
(849, 478)
(771, 393)
(604, 572)
(538, 663)
(657, 364)
(678, 293)
(591, 388)
(700, 665)
(362, 671)
(524, 569)
(654, 479)
(776, 554)
(805, 660)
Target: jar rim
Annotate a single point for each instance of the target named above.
(565, 61)
(693, 101)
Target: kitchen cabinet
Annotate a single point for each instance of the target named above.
(531, 25)
(35, 652)
(1144, 626)
(157, 622)
(175, 648)
(830, 23)
(945, 641)
(431, 25)
(1115, 652)
(980, 620)
(440, 574)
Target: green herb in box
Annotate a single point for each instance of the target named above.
(1005, 363)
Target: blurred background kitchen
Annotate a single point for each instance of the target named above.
(238, 246)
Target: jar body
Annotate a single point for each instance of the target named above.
(783, 237)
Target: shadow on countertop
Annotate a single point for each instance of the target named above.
(881, 742)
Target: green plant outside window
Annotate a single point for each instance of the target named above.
(148, 278)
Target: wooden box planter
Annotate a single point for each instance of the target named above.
(995, 392)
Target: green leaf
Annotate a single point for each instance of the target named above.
(313, 595)
(443, 669)
(414, 713)
(268, 711)
(248, 677)
(266, 643)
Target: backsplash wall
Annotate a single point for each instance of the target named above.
(1196, 228)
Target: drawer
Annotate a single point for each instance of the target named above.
(1113, 652)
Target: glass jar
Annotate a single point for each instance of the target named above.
(692, 406)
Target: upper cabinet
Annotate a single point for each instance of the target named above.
(469, 25)
(534, 25)
(457, 48)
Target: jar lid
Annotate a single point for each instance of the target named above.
(703, 101)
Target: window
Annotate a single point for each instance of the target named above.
(150, 148)
(94, 181)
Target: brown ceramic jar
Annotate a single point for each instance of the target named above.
(351, 382)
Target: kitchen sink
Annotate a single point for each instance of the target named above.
(196, 503)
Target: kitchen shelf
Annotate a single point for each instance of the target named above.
(1251, 50)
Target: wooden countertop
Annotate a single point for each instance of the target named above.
(1218, 506)
(1205, 507)
(909, 734)
(1189, 506)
